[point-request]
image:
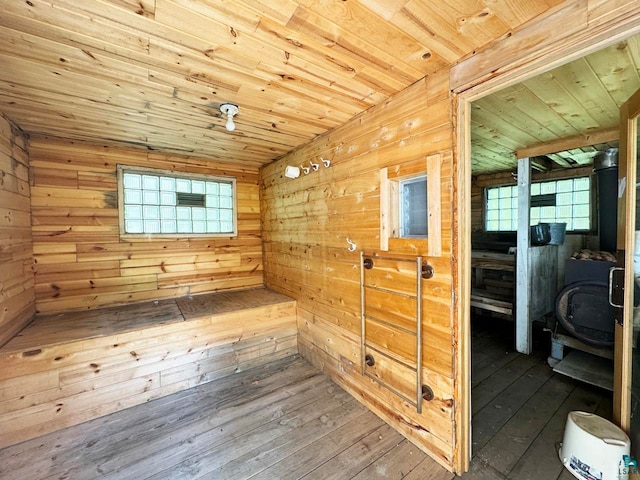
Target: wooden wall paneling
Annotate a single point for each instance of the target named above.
(313, 265)
(384, 403)
(566, 19)
(81, 262)
(17, 294)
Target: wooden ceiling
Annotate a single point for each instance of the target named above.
(154, 72)
(562, 117)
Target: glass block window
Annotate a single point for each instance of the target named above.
(158, 202)
(413, 207)
(555, 201)
(501, 212)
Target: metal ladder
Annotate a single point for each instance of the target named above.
(422, 270)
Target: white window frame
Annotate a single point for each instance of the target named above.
(122, 169)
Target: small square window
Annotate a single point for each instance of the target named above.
(184, 227)
(134, 212)
(226, 202)
(199, 227)
(168, 198)
(152, 226)
(150, 197)
(168, 226)
(132, 196)
(225, 190)
(413, 207)
(168, 213)
(184, 213)
(151, 212)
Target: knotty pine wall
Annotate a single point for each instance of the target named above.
(305, 225)
(80, 260)
(17, 297)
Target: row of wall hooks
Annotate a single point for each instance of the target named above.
(291, 171)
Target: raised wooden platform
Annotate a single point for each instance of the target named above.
(64, 369)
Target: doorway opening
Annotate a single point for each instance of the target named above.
(558, 122)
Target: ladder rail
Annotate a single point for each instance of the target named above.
(418, 260)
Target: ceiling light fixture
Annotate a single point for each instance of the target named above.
(230, 110)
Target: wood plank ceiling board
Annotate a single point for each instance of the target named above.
(154, 72)
(577, 100)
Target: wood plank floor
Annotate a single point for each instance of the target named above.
(286, 420)
(520, 406)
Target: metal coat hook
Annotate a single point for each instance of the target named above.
(306, 170)
(352, 246)
(315, 166)
(325, 162)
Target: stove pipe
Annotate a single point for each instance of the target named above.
(605, 166)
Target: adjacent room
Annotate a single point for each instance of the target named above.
(314, 239)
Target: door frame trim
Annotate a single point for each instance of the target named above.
(514, 67)
(629, 113)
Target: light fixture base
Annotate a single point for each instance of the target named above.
(229, 109)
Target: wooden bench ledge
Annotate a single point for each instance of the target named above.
(55, 329)
(64, 369)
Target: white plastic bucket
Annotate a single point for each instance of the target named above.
(594, 448)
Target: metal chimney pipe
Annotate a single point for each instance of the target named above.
(605, 166)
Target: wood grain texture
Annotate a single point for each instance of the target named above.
(280, 420)
(66, 369)
(81, 262)
(570, 93)
(305, 223)
(17, 293)
(154, 73)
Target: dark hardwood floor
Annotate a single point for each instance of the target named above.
(286, 420)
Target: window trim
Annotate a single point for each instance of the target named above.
(389, 209)
(122, 169)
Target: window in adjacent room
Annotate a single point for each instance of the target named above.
(556, 201)
(162, 203)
